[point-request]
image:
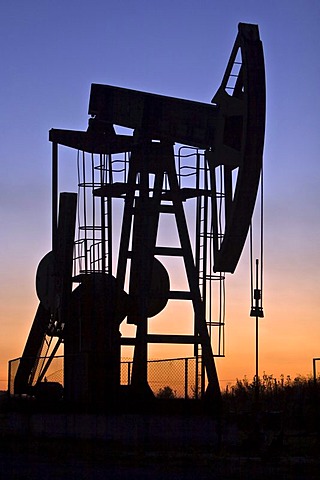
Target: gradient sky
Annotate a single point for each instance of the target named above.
(50, 54)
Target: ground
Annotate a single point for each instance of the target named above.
(73, 460)
(243, 453)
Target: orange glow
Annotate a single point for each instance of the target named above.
(177, 52)
(288, 335)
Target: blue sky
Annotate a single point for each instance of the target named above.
(52, 51)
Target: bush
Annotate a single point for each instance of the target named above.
(297, 399)
(166, 392)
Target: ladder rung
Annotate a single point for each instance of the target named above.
(169, 251)
(215, 324)
(180, 295)
(167, 209)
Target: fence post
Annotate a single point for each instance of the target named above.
(314, 360)
(197, 378)
(9, 378)
(186, 378)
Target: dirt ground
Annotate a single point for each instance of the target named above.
(57, 460)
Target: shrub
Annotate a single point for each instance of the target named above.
(166, 392)
(297, 399)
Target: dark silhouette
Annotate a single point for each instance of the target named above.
(226, 135)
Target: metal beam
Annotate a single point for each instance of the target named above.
(156, 116)
(164, 338)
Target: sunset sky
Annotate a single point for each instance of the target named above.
(51, 52)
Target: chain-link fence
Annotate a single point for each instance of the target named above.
(53, 371)
(183, 376)
(177, 377)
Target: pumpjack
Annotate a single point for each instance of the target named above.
(83, 307)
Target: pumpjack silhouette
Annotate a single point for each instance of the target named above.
(83, 307)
